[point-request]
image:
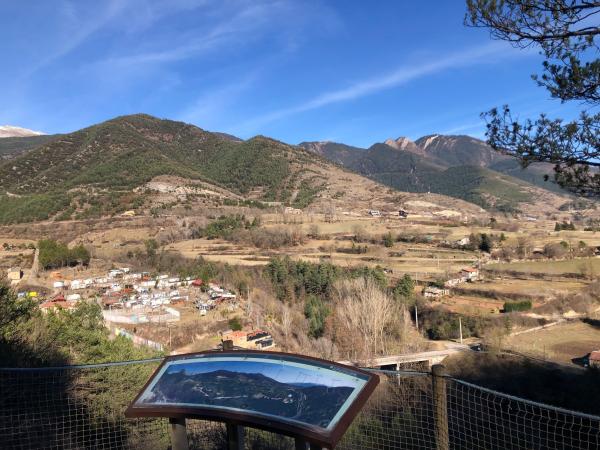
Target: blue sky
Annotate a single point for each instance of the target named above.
(353, 71)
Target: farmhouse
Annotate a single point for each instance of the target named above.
(453, 282)
(257, 339)
(464, 241)
(374, 213)
(435, 292)
(290, 210)
(469, 273)
(239, 338)
(58, 302)
(594, 359)
(15, 274)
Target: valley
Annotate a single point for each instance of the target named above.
(288, 232)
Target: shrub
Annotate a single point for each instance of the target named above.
(224, 226)
(235, 324)
(523, 305)
(388, 240)
(354, 250)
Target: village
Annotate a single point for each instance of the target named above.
(129, 299)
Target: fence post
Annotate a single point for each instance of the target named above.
(235, 436)
(179, 440)
(440, 406)
(301, 444)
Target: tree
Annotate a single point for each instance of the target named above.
(486, 243)
(364, 309)
(316, 312)
(388, 240)
(566, 32)
(151, 247)
(405, 289)
(55, 254)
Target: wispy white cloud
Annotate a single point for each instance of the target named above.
(484, 54)
(234, 28)
(207, 109)
(232, 23)
(466, 127)
(77, 29)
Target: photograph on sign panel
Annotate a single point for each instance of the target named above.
(293, 391)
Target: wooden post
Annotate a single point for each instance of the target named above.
(300, 444)
(235, 437)
(440, 406)
(179, 440)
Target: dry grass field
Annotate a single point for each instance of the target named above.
(420, 260)
(526, 287)
(472, 305)
(551, 267)
(561, 343)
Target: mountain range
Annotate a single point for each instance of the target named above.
(458, 166)
(113, 166)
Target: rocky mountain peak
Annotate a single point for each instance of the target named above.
(403, 143)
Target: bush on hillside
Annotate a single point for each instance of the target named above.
(523, 305)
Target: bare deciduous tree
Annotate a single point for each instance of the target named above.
(286, 321)
(363, 308)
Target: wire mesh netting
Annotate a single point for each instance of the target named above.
(479, 418)
(82, 407)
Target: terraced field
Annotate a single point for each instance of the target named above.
(570, 266)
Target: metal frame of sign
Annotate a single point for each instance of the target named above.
(313, 434)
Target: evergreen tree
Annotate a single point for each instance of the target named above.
(405, 289)
(567, 35)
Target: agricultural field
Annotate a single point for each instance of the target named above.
(419, 260)
(569, 266)
(561, 343)
(510, 287)
(472, 305)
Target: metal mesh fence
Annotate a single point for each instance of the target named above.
(479, 418)
(82, 407)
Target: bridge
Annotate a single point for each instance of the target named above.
(394, 362)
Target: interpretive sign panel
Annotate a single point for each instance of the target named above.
(291, 394)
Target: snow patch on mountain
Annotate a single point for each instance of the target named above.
(429, 140)
(12, 131)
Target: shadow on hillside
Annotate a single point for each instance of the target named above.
(581, 361)
(571, 388)
(59, 408)
(593, 322)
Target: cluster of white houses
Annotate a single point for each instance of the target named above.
(123, 289)
(216, 296)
